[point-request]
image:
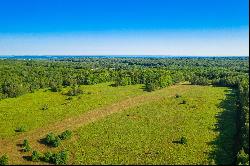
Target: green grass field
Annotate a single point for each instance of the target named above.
(148, 134)
(128, 133)
(27, 110)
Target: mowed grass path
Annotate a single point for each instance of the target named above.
(149, 133)
(27, 110)
(145, 130)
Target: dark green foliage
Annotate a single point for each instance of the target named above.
(74, 91)
(243, 99)
(56, 88)
(65, 135)
(49, 138)
(4, 160)
(48, 157)
(56, 158)
(52, 140)
(158, 80)
(26, 147)
(60, 157)
(183, 140)
(56, 142)
(35, 156)
(195, 80)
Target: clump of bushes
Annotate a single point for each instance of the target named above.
(4, 160)
(65, 135)
(47, 157)
(58, 158)
(56, 88)
(74, 91)
(20, 129)
(26, 146)
(36, 156)
(183, 140)
(52, 140)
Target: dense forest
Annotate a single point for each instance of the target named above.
(18, 77)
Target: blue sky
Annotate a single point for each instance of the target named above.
(124, 27)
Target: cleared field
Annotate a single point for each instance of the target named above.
(149, 134)
(27, 110)
(125, 125)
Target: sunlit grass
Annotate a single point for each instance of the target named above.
(150, 134)
(27, 111)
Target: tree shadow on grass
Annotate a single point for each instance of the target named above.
(224, 151)
(43, 141)
(27, 158)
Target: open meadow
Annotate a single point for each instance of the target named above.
(125, 125)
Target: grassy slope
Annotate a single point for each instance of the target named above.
(26, 110)
(147, 134)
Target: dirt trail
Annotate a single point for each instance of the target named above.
(10, 146)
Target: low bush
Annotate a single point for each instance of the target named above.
(4, 160)
(48, 157)
(36, 156)
(242, 158)
(56, 158)
(74, 91)
(60, 157)
(183, 140)
(52, 140)
(26, 146)
(56, 88)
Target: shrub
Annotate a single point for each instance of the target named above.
(48, 157)
(74, 91)
(35, 156)
(65, 135)
(52, 140)
(60, 157)
(56, 158)
(56, 88)
(26, 146)
(242, 158)
(4, 160)
(20, 129)
(56, 142)
(183, 140)
(49, 138)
